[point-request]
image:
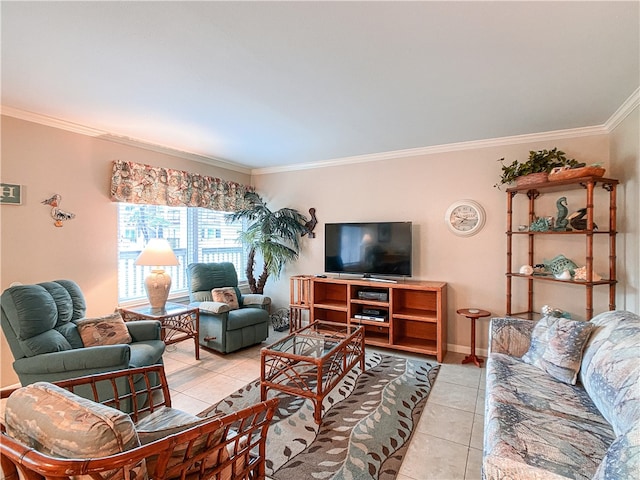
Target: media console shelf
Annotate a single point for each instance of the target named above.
(409, 316)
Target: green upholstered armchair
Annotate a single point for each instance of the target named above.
(40, 323)
(223, 327)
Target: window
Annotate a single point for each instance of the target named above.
(195, 234)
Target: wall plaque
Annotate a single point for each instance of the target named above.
(10, 194)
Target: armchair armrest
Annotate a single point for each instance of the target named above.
(511, 336)
(141, 330)
(256, 299)
(215, 308)
(75, 363)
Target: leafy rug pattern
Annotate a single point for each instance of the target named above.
(366, 424)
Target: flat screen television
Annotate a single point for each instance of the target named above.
(374, 248)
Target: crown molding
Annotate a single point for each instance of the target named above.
(624, 111)
(51, 122)
(194, 157)
(132, 142)
(620, 114)
(444, 148)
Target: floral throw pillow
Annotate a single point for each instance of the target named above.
(107, 330)
(557, 345)
(226, 295)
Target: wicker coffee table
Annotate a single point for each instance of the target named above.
(311, 361)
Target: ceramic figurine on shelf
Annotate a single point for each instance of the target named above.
(550, 311)
(577, 220)
(561, 220)
(526, 270)
(559, 265)
(581, 274)
(541, 224)
(58, 215)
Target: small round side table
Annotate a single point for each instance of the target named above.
(473, 314)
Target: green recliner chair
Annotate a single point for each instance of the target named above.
(223, 326)
(39, 323)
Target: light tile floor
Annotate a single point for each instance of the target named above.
(446, 445)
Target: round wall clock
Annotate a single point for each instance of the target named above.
(465, 217)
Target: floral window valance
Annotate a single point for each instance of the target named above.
(138, 183)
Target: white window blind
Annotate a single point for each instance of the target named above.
(195, 234)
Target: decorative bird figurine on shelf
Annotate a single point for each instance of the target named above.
(58, 215)
(311, 224)
(577, 220)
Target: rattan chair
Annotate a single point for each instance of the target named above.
(222, 447)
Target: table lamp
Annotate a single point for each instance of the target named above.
(157, 254)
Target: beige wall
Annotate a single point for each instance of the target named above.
(625, 164)
(420, 189)
(45, 161)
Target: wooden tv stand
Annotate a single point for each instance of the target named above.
(414, 313)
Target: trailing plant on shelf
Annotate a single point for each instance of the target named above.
(542, 161)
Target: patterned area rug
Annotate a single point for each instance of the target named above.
(366, 425)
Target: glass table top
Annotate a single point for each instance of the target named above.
(315, 340)
(170, 309)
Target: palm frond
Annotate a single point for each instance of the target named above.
(275, 235)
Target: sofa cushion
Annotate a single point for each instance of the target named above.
(510, 380)
(59, 423)
(107, 330)
(31, 310)
(246, 317)
(46, 342)
(520, 442)
(62, 299)
(163, 422)
(69, 331)
(563, 355)
(78, 302)
(610, 370)
(168, 421)
(539, 339)
(226, 295)
(557, 345)
(623, 457)
(539, 427)
(31, 302)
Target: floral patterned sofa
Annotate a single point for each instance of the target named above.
(563, 398)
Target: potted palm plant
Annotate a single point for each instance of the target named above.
(273, 235)
(536, 169)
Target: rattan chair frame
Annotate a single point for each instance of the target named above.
(244, 438)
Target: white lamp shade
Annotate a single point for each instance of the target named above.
(158, 252)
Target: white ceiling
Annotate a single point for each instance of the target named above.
(264, 84)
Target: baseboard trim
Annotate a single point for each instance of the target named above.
(483, 352)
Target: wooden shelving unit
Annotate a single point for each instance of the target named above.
(415, 313)
(532, 193)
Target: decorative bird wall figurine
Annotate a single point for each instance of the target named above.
(577, 220)
(311, 224)
(58, 215)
